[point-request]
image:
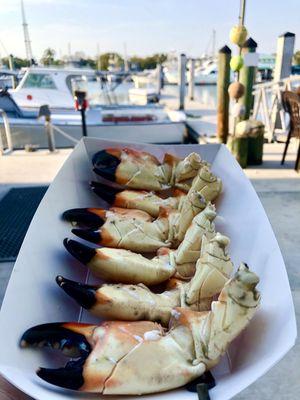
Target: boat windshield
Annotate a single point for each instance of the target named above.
(39, 81)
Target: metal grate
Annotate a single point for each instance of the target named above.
(17, 209)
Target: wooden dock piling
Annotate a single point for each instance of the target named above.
(222, 94)
(191, 79)
(283, 69)
(247, 75)
(182, 80)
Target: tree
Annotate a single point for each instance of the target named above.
(149, 62)
(48, 57)
(297, 58)
(87, 62)
(18, 62)
(107, 58)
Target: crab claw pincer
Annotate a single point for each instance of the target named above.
(107, 193)
(132, 169)
(106, 162)
(85, 295)
(92, 218)
(71, 341)
(94, 346)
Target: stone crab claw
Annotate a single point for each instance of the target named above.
(124, 302)
(119, 265)
(94, 218)
(149, 202)
(112, 355)
(140, 170)
(130, 229)
(134, 302)
(125, 266)
(111, 340)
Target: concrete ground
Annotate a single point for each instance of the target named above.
(279, 190)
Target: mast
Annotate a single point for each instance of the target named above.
(98, 59)
(213, 42)
(126, 67)
(26, 35)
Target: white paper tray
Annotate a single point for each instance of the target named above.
(33, 297)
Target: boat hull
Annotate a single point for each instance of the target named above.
(164, 132)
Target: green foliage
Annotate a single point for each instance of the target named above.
(107, 58)
(297, 58)
(18, 63)
(87, 62)
(48, 57)
(103, 62)
(149, 62)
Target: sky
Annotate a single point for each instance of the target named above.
(143, 26)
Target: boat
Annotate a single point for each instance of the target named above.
(46, 85)
(145, 91)
(150, 124)
(8, 78)
(206, 73)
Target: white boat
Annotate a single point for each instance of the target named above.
(145, 91)
(171, 76)
(206, 74)
(51, 86)
(151, 124)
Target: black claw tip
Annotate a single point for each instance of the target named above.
(106, 192)
(86, 217)
(69, 377)
(80, 251)
(88, 234)
(57, 336)
(105, 164)
(85, 295)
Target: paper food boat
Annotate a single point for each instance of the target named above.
(33, 298)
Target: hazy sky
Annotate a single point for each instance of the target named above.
(147, 26)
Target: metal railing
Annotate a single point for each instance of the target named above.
(9, 146)
(6, 145)
(268, 104)
(44, 112)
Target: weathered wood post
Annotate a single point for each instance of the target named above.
(181, 81)
(283, 68)
(247, 75)
(284, 56)
(222, 93)
(45, 112)
(159, 78)
(191, 79)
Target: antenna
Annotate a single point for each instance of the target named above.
(26, 35)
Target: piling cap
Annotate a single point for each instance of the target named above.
(287, 34)
(225, 50)
(250, 44)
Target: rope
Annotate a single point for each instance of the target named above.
(65, 134)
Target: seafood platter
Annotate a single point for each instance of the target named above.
(147, 270)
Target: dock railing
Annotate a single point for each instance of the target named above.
(268, 104)
(5, 148)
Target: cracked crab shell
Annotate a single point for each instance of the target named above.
(42, 257)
